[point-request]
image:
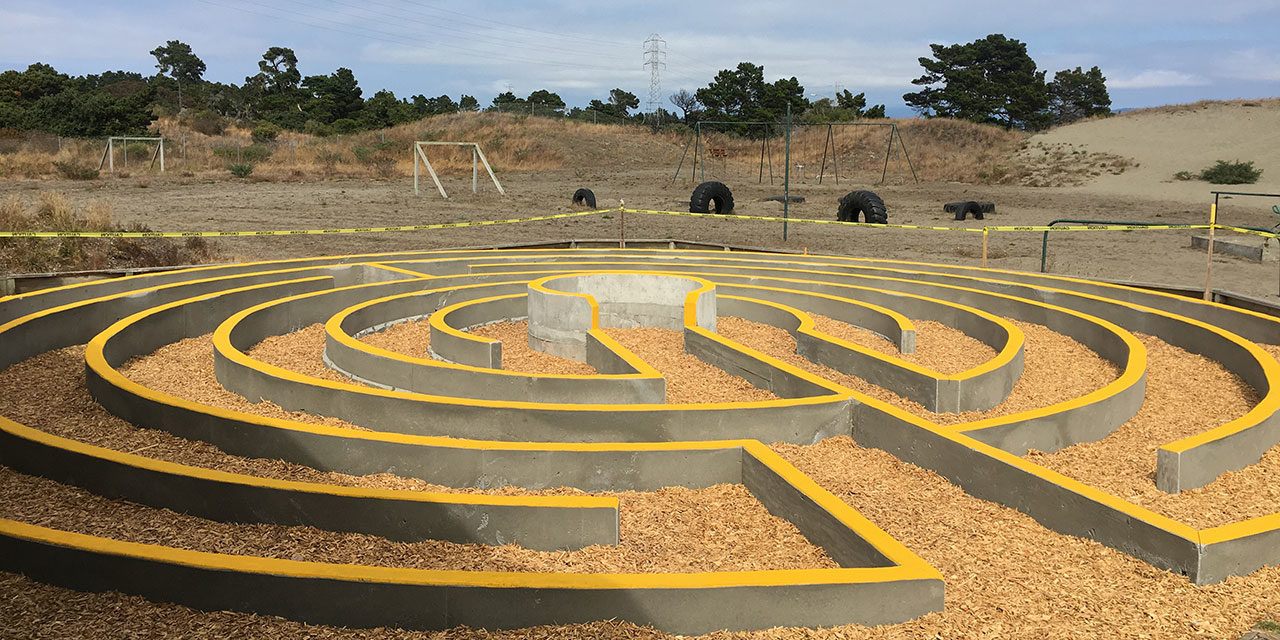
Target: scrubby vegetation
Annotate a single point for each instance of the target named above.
(53, 211)
(1223, 172)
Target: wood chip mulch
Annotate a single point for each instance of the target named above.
(1007, 577)
(411, 338)
(185, 369)
(1056, 368)
(679, 530)
(689, 379)
(1186, 394)
(517, 356)
(938, 347)
(47, 392)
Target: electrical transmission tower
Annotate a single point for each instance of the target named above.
(654, 56)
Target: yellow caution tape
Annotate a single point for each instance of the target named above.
(1090, 227)
(1265, 234)
(274, 232)
(483, 223)
(1103, 227)
(804, 220)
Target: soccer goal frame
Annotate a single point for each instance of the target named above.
(477, 158)
(109, 152)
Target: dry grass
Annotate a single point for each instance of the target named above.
(1201, 105)
(53, 211)
(939, 149)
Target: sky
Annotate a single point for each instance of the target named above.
(1152, 52)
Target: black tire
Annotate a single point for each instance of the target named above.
(978, 209)
(584, 196)
(708, 194)
(961, 209)
(865, 202)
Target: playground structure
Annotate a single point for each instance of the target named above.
(109, 151)
(460, 420)
(477, 157)
(766, 130)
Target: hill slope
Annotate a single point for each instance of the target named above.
(1162, 141)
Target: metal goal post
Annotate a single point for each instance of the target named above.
(477, 157)
(109, 153)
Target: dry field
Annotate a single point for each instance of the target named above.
(174, 203)
(1108, 169)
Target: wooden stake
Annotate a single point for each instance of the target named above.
(984, 247)
(1208, 270)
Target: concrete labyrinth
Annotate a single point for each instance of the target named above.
(460, 420)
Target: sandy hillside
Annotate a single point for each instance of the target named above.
(1165, 140)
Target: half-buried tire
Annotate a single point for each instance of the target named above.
(585, 197)
(709, 195)
(865, 202)
(961, 209)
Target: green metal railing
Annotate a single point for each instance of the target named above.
(1044, 242)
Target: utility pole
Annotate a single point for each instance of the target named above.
(654, 58)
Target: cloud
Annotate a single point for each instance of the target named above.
(1250, 64)
(1156, 79)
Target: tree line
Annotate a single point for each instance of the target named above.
(990, 80)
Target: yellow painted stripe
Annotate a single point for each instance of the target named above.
(886, 544)
(151, 464)
(808, 326)
(490, 579)
(222, 343)
(624, 446)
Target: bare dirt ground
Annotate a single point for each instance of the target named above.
(175, 203)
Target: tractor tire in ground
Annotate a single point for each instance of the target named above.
(961, 209)
(585, 196)
(865, 202)
(708, 194)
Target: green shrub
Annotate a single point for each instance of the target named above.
(363, 154)
(1231, 173)
(316, 128)
(73, 171)
(328, 158)
(241, 170)
(138, 149)
(265, 132)
(251, 153)
(345, 125)
(206, 122)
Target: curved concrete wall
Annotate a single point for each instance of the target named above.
(562, 309)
